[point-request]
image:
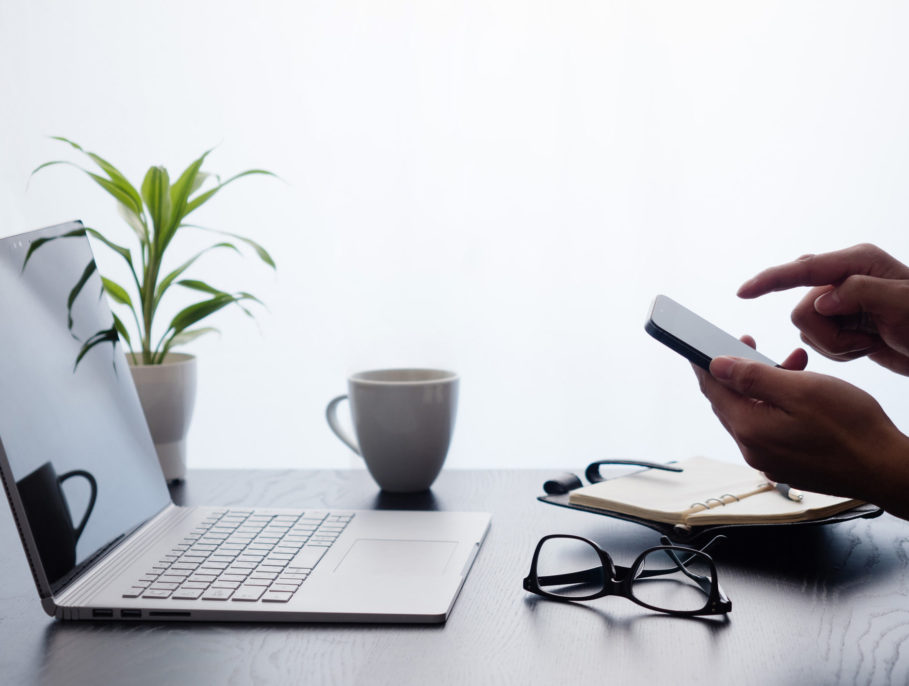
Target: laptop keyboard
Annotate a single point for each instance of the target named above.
(242, 555)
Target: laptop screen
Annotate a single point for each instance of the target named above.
(71, 425)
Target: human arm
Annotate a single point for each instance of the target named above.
(858, 305)
(812, 431)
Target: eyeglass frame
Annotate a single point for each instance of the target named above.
(717, 602)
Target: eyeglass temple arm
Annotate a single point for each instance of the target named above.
(680, 564)
(703, 581)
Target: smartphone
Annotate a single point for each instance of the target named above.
(694, 337)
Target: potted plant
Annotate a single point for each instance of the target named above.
(157, 213)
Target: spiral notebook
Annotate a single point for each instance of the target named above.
(706, 492)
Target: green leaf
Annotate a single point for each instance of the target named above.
(128, 198)
(205, 288)
(115, 175)
(201, 178)
(117, 292)
(119, 192)
(194, 313)
(156, 193)
(111, 187)
(243, 295)
(121, 182)
(202, 199)
(201, 286)
(165, 283)
(183, 187)
(68, 141)
(121, 329)
(187, 337)
(260, 251)
(119, 249)
(135, 222)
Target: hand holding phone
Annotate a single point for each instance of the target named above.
(694, 337)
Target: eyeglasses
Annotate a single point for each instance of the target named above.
(667, 578)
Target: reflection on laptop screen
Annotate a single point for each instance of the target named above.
(71, 425)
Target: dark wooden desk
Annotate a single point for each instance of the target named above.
(811, 605)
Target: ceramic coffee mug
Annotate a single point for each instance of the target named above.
(403, 420)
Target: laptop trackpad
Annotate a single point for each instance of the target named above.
(398, 558)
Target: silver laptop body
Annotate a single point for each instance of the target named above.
(102, 536)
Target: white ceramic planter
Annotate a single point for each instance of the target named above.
(168, 394)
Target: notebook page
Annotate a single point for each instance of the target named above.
(772, 506)
(668, 496)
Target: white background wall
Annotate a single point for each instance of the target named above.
(496, 186)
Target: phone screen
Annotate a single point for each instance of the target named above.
(693, 336)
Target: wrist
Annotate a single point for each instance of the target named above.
(889, 486)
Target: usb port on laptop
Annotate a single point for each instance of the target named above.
(102, 613)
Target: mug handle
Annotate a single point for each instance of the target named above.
(91, 500)
(331, 414)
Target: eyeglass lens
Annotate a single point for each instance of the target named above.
(570, 568)
(674, 580)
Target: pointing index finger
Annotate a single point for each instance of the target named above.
(808, 270)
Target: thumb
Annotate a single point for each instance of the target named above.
(859, 293)
(753, 379)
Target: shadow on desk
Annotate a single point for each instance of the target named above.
(613, 621)
(840, 557)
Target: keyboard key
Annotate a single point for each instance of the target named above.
(276, 568)
(187, 593)
(239, 578)
(288, 588)
(181, 567)
(276, 596)
(225, 584)
(248, 593)
(134, 592)
(265, 576)
(289, 582)
(265, 583)
(217, 594)
(221, 557)
(275, 564)
(156, 593)
(172, 574)
(203, 577)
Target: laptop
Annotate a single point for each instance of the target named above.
(102, 536)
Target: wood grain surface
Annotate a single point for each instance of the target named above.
(811, 605)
